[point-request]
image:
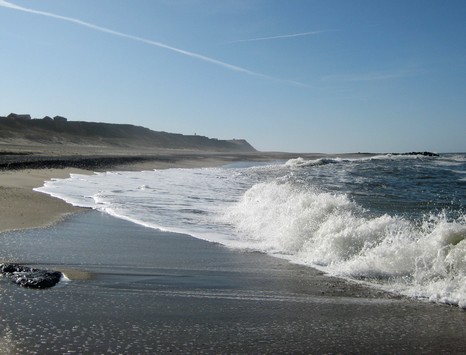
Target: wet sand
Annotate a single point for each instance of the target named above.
(139, 290)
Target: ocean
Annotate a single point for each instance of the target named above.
(393, 222)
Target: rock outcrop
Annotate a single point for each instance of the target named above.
(30, 277)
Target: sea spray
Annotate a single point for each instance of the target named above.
(421, 259)
(279, 218)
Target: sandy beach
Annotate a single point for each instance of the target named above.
(21, 207)
(30, 166)
(138, 290)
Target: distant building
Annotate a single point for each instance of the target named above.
(60, 119)
(15, 116)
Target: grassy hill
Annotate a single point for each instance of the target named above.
(49, 131)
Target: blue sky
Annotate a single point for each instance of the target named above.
(297, 75)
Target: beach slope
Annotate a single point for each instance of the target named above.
(138, 290)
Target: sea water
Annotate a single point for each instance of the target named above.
(397, 222)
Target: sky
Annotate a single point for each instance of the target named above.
(328, 76)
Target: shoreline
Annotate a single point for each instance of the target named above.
(22, 170)
(23, 208)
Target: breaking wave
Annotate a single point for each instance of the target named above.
(423, 259)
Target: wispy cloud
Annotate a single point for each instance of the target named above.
(371, 76)
(201, 57)
(301, 34)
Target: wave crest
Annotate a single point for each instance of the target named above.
(301, 162)
(329, 231)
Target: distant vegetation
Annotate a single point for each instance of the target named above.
(58, 130)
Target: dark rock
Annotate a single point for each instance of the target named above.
(12, 268)
(30, 277)
(38, 279)
(425, 154)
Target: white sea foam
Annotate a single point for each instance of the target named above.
(331, 232)
(300, 162)
(275, 210)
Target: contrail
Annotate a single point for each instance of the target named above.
(280, 37)
(10, 5)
